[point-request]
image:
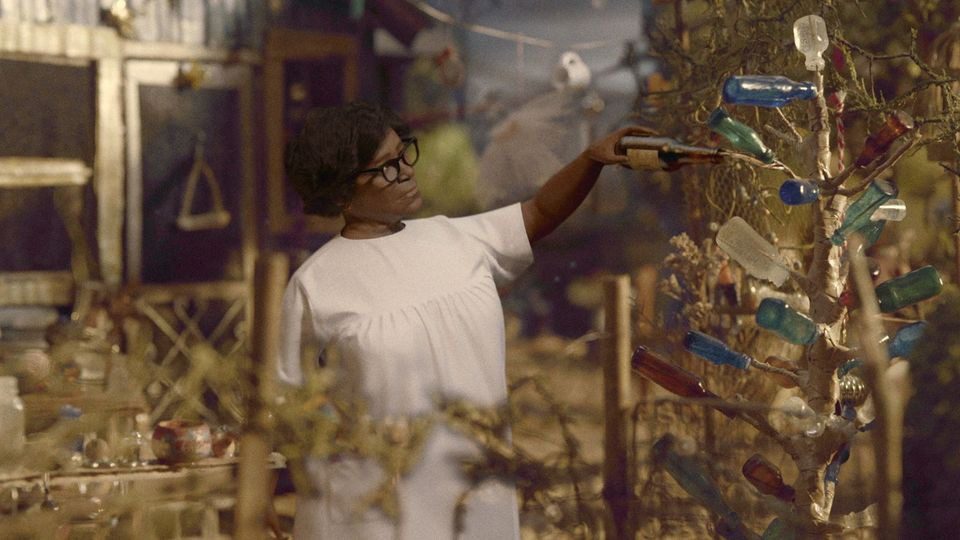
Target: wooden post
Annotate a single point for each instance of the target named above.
(254, 490)
(617, 475)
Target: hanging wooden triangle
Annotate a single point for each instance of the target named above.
(217, 217)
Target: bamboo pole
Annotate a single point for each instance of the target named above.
(888, 435)
(617, 476)
(254, 486)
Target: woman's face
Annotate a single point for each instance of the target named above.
(381, 201)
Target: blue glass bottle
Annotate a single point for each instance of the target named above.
(776, 315)
(906, 339)
(714, 350)
(740, 135)
(858, 213)
(796, 191)
(765, 90)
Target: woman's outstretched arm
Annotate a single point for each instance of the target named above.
(564, 191)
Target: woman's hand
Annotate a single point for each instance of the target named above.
(602, 151)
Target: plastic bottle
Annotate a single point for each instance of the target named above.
(757, 256)
(12, 425)
(776, 315)
(765, 90)
(740, 135)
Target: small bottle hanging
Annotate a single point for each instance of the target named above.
(766, 477)
(776, 315)
(797, 191)
(858, 214)
(712, 349)
(757, 256)
(910, 288)
(672, 377)
(740, 135)
(810, 37)
(765, 90)
(879, 142)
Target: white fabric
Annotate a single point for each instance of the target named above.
(414, 315)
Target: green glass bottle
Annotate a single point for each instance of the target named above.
(740, 135)
(776, 315)
(910, 288)
(858, 213)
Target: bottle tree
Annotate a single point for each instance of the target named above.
(737, 81)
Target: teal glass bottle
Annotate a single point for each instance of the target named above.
(765, 90)
(776, 315)
(859, 212)
(740, 135)
(713, 350)
(910, 288)
(778, 529)
(694, 479)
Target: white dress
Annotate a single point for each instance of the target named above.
(414, 315)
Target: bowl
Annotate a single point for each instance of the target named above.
(181, 441)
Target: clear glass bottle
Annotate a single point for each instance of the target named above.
(12, 425)
(766, 477)
(765, 90)
(664, 153)
(797, 191)
(810, 37)
(879, 142)
(776, 315)
(910, 288)
(859, 212)
(740, 135)
(892, 210)
(757, 256)
(713, 350)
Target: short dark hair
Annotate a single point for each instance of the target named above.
(335, 142)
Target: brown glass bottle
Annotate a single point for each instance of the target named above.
(672, 377)
(664, 153)
(879, 142)
(766, 477)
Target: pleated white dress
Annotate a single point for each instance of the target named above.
(414, 315)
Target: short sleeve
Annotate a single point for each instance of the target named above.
(296, 332)
(503, 238)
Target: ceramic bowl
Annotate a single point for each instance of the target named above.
(181, 441)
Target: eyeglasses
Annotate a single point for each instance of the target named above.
(390, 170)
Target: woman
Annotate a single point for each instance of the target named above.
(413, 310)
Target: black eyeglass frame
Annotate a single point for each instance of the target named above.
(395, 162)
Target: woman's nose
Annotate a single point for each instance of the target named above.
(406, 171)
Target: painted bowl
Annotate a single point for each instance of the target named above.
(181, 441)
